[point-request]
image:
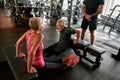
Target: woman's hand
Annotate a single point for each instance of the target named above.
(32, 70)
(20, 55)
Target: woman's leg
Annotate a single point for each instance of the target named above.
(50, 65)
(58, 63)
(54, 63)
(53, 60)
(59, 60)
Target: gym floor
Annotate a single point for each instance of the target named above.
(108, 70)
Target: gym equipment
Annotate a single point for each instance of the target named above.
(70, 2)
(1, 3)
(56, 11)
(77, 11)
(82, 45)
(24, 16)
(19, 13)
(27, 12)
(112, 21)
(39, 7)
(47, 10)
(12, 8)
(53, 12)
(95, 51)
(92, 50)
(116, 23)
(116, 56)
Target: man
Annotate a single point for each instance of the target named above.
(65, 40)
(90, 9)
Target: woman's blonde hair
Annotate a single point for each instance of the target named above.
(34, 23)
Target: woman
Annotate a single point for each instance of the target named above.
(34, 43)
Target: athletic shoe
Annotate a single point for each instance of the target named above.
(68, 61)
(69, 58)
(75, 61)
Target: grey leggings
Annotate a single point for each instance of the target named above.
(54, 63)
(51, 64)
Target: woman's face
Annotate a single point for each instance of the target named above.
(40, 27)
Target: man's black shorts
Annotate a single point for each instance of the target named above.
(92, 24)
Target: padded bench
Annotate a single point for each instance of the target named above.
(82, 45)
(17, 66)
(93, 50)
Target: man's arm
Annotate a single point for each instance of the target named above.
(83, 9)
(77, 32)
(88, 17)
(100, 9)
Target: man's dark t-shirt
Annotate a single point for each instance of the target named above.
(92, 5)
(63, 43)
(65, 35)
(65, 38)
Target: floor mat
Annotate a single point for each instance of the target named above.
(5, 72)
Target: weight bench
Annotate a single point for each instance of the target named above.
(82, 45)
(92, 50)
(17, 66)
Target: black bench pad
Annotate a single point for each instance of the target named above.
(18, 66)
(82, 45)
(94, 50)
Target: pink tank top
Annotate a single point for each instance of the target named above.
(38, 59)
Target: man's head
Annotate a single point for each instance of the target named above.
(60, 25)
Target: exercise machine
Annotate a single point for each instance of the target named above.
(77, 14)
(112, 21)
(20, 13)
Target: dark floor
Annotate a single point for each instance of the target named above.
(108, 70)
(5, 71)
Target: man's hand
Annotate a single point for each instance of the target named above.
(75, 41)
(88, 17)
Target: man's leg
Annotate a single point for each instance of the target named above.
(92, 28)
(72, 45)
(47, 52)
(84, 26)
(83, 34)
(54, 49)
(92, 36)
